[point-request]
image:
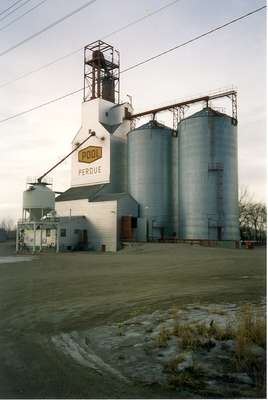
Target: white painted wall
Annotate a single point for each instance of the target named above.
(103, 225)
(72, 238)
(97, 172)
(49, 241)
(116, 119)
(101, 220)
(95, 113)
(74, 207)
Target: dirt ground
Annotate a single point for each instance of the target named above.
(54, 294)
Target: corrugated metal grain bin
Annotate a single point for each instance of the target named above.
(208, 174)
(149, 176)
(118, 175)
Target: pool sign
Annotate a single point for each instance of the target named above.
(91, 161)
(90, 154)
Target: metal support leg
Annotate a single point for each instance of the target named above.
(17, 239)
(34, 240)
(41, 237)
(57, 239)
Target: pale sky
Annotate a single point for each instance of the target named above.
(234, 56)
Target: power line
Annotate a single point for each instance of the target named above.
(140, 19)
(194, 39)
(22, 15)
(15, 9)
(15, 46)
(12, 5)
(42, 105)
(140, 63)
(82, 48)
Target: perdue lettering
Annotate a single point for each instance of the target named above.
(90, 154)
(90, 171)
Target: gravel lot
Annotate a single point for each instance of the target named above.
(57, 294)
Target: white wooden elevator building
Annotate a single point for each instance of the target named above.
(144, 184)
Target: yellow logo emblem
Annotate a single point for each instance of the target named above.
(90, 154)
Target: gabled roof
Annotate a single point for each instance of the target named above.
(111, 196)
(94, 193)
(79, 193)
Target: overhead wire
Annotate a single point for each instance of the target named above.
(22, 15)
(132, 23)
(50, 26)
(12, 5)
(15, 9)
(140, 63)
(43, 105)
(194, 39)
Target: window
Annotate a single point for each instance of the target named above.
(63, 232)
(48, 232)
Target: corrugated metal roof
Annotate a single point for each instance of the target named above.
(110, 196)
(92, 193)
(79, 193)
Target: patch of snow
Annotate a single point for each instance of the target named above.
(133, 347)
(187, 363)
(257, 351)
(242, 378)
(15, 259)
(88, 358)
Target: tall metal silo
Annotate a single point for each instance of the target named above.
(208, 177)
(118, 172)
(175, 186)
(149, 177)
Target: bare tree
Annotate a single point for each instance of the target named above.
(252, 217)
(7, 225)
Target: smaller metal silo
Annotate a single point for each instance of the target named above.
(149, 178)
(38, 200)
(208, 183)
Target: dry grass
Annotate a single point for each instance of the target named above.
(191, 378)
(187, 335)
(187, 332)
(192, 335)
(251, 330)
(246, 330)
(201, 329)
(163, 337)
(218, 332)
(120, 329)
(171, 366)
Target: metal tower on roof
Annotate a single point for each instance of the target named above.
(101, 72)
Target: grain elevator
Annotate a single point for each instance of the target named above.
(146, 183)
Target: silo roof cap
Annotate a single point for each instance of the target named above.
(153, 124)
(207, 112)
